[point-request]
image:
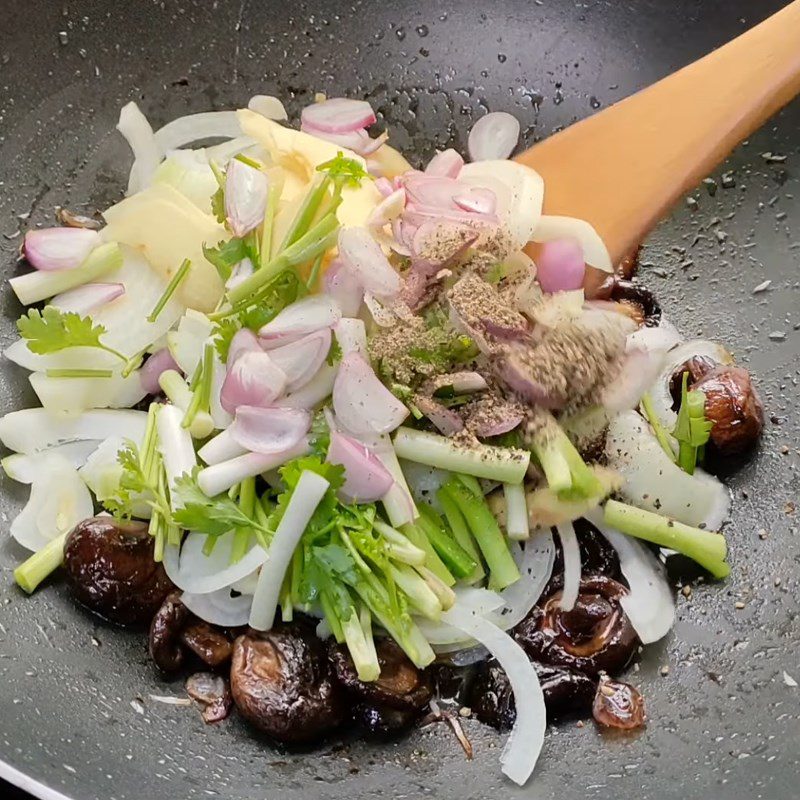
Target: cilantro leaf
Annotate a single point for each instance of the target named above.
(334, 354)
(224, 332)
(333, 473)
(52, 330)
(213, 516)
(226, 255)
(218, 205)
(692, 429)
(346, 170)
(133, 483)
(320, 435)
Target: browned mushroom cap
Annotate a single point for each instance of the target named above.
(111, 570)
(733, 406)
(697, 367)
(618, 705)
(400, 685)
(282, 683)
(383, 721)
(164, 640)
(595, 635)
(633, 299)
(213, 693)
(207, 643)
(565, 691)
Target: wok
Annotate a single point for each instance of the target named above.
(75, 710)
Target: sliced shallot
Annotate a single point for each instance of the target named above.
(351, 334)
(301, 360)
(477, 199)
(366, 479)
(344, 287)
(252, 380)
(446, 164)
(560, 266)
(388, 209)
(85, 299)
(299, 319)
(639, 371)
(361, 402)
(59, 248)
(244, 341)
(151, 370)
(269, 430)
(493, 136)
(246, 190)
(364, 257)
(338, 115)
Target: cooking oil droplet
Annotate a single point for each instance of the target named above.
(558, 97)
(502, 58)
(400, 33)
(422, 30)
(594, 102)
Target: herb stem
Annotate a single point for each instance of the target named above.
(305, 214)
(658, 429)
(79, 373)
(176, 280)
(31, 572)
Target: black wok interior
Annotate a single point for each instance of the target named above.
(75, 708)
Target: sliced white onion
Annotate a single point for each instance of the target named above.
(639, 371)
(649, 603)
(102, 472)
(519, 191)
(220, 477)
(314, 392)
(365, 259)
(72, 396)
(445, 637)
(268, 106)
(194, 127)
(351, 334)
(662, 338)
(269, 430)
(59, 248)
(88, 297)
(24, 468)
(191, 570)
(221, 448)
(361, 402)
(655, 483)
(344, 287)
(527, 735)
(246, 190)
(252, 380)
(366, 479)
(306, 497)
(310, 314)
(660, 393)
(59, 500)
(219, 608)
(493, 136)
(446, 164)
(147, 152)
(594, 250)
(338, 115)
(572, 566)
(187, 341)
(33, 429)
(301, 360)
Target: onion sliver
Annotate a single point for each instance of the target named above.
(219, 608)
(314, 392)
(366, 479)
(194, 127)
(446, 164)
(594, 249)
(361, 402)
(655, 483)
(24, 468)
(527, 735)
(572, 566)
(269, 430)
(344, 287)
(33, 429)
(268, 106)
(306, 497)
(338, 115)
(351, 335)
(301, 360)
(649, 603)
(147, 152)
(246, 190)
(71, 396)
(191, 570)
(493, 136)
(59, 500)
(301, 318)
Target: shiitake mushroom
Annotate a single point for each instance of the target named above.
(633, 299)
(594, 636)
(283, 684)
(111, 570)
(565, 691)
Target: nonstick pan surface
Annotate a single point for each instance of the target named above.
(724, 719)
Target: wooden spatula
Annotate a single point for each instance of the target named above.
(624, 168)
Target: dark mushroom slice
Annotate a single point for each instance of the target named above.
(632, 298)
(400, 685)
(629, 265)
(566, 691)
(618, 705)
(111, 571)
(282, 684)
(697, 367)
(207, 643)
(213, 693)
(382, 721)
(164, 641)
(733, 407)
(594, 636)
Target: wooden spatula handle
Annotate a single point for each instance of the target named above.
(623, 168)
